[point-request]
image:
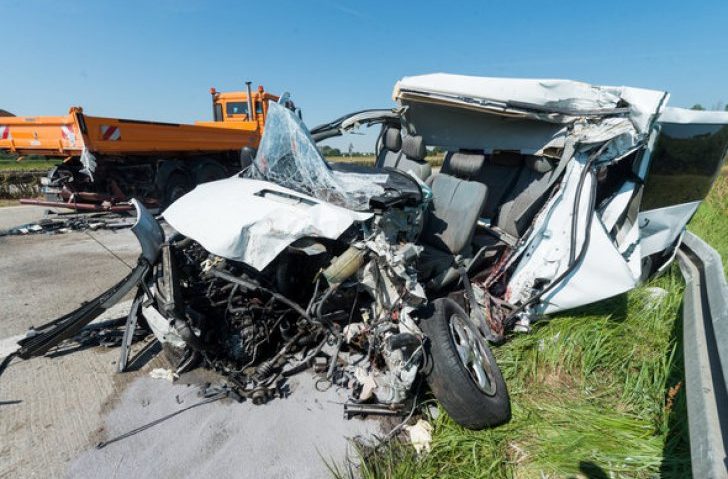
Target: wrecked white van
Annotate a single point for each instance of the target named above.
(553, 194)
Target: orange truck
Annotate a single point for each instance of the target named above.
(107, 161)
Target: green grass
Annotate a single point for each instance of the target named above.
(598, 392)
(589, 391)
(19, 179)
(33, 163)
(711, 220)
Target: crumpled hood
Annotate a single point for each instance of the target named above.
(252, 220)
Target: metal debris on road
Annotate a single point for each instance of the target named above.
(76, 222)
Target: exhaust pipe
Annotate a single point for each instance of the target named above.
(251, 111)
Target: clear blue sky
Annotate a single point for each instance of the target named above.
(157, 59)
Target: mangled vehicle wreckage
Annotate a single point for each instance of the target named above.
(553, 194)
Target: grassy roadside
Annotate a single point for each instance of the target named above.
(711, 220)
(10, 163)
(595, 393)
(28, 164)
(19, 179)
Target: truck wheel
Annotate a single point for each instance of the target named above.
(209, 171)
(176, 186)
(464, 376)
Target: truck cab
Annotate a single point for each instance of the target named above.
(238, 109)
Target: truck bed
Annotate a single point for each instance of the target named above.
(67, 136)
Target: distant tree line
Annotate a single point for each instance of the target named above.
(327, 150)
(718, 106)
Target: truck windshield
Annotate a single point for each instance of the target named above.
(236, 108)
(288, 156)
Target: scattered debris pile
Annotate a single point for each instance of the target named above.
(64, 223)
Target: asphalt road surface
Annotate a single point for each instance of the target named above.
(55, 409)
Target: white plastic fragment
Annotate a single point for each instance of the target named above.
(162, 373)
(366, 379)
(655, 295)
(420, 436)
(352, 330)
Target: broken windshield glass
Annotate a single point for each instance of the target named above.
(288, 156)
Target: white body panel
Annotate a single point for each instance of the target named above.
(602, 274)
(230, 218)
(498, 93)
(660, 228)
(553, 92)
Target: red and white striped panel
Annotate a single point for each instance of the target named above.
(110, 133)
(68, 134)
(5, 132)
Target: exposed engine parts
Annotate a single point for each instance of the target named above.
(235, 320)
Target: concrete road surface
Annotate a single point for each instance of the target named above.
(53, 410)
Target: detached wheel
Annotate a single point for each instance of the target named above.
(176, 186)
(464, 376)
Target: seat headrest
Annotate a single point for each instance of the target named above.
(465, 165)
(539, 164)
(413, 146)
(392, 139)
(507, 158)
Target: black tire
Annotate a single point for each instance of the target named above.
(209, 171)
(176, 186)
(453, 382)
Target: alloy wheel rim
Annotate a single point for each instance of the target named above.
(470, 349)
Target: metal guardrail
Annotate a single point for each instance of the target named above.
(705, 339)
